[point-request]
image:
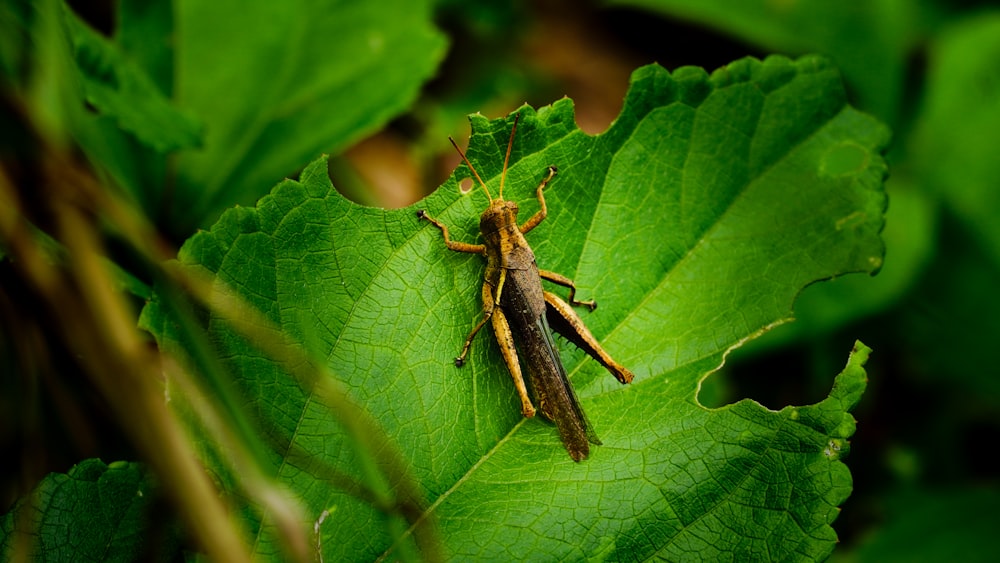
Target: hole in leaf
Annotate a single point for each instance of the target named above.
(465, 186)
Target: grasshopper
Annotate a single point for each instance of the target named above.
(522, 312)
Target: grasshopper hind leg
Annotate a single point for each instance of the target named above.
(568, 283)
(564, 320)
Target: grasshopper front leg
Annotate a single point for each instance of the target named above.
(539, 215)
(490, 305)
(489, 301)
(452, 245)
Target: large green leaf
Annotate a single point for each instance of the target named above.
(694, 220)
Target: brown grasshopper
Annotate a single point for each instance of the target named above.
(522, 312)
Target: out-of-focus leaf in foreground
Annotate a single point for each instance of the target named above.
(694, 220)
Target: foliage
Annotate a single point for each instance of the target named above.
(930, 70)
(383, 304)
(304, 341)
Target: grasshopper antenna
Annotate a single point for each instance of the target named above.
(471, 167)
(506, 159)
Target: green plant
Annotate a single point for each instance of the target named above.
(303, 342)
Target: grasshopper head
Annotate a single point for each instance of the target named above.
(498, 203)
(498, 216)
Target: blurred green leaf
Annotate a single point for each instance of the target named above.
(950, 323)
(956, 525)
(695, 220)
(118, 89)
(145, 31)
(277, 83)
(867, 40)
(15, 17)
(952, 145)
(959, 126)
(273, 85)
(96, 512)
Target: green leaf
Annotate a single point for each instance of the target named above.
(121, 90)
(271, 85)
(278, 83)
(957, 127)
(96, 512)
(694, 220)
(960, 124)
